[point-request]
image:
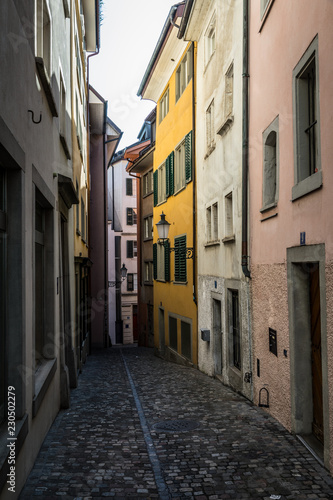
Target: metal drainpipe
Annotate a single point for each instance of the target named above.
(245, 140)
(193, 175)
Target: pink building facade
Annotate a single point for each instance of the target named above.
(291, 212)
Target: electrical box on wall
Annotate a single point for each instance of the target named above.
(205, 334)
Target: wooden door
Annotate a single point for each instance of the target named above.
(317, 390)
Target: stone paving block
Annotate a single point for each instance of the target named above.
(105, 444)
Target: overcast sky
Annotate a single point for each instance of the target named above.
(129, 33)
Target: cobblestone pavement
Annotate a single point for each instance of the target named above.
(106, 444)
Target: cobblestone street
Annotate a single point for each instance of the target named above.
(112, 442)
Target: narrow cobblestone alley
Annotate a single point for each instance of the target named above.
(111, 442)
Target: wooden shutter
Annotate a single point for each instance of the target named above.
(171, 172)
(129, 187)
(129, 249)
(188, 157)
(167, 176)
(155, 187)
(167, 261)
(180, 259)
(155, 260)
(129, 216)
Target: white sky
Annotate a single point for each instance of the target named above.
(129, 33)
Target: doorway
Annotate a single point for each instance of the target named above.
(217, 336)
(308, 347)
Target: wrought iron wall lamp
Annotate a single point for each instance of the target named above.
(123, 277)
(163, 227)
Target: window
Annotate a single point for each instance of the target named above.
(148, 227)
(210, 127)
(149, 271)
(270, 165)
(306, 123)
(62, 95)
(263, 6)
(83, 220)
(179, 174)
(210, 39)
(184, 73)
(180, 259)
(229, 90)
(148, 184)
(43, 34)
(212, 230)
(161, 196)
(229, 223)
(161, 262)
(131, 216)
(234, 329)
(130, 282)
(164, 105)
(129, 187)
(131, 249)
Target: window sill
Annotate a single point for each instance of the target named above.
(147, 194)
(147, 239)
(226, 125)
(21, 432)
(179, 190)
(148, 283)
(268, 207)
(65, 146)
(210, 149)
(208, 62)
(212, 243)
(160, 280)
(161, 203)
(43, 379)
(229, 239)
(180, 282)
(46, 84)
(78, 232)
(307, 186)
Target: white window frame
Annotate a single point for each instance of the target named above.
(161, 195)
(164, 105)
(179, 169)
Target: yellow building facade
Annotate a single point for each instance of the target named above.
(169, 81)
(175, 309)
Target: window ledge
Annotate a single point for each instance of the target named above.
(226, 125)
(148, 283)
(268, 207)
(180, 282)
(147, 194)
(208, 62)
(307, 186)
(78, 232)
(210, 149)
(65, 146)
(21, 432)
(147, 239)
(229, 239)
(46, 84)
(160, 203)
(179, 190)
(265, 15)
(43, 379)
(212, 243)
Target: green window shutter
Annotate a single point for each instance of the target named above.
(129, 216)
(129, 249)
(171, 172)
(129, 187)
(180, 259)
(188, 157)
(167, 261)
(155, 260)
(155, 174)
(167, 176)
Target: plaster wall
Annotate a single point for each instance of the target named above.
(274, 54)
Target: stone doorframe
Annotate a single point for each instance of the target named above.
(300, 340)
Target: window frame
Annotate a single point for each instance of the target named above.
(164, 105)
(267, 201)
(210, 128)
(305, 184)
(184, 73)
(129, 186)
(210, 40)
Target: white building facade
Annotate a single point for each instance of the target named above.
(223, 290)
